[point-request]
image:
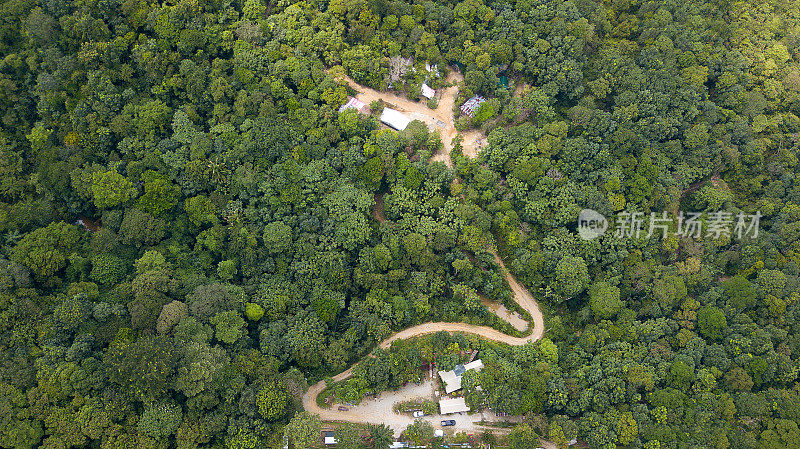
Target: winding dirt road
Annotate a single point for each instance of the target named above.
(521, 295)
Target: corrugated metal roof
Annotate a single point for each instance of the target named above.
(395, 119)
(456, 405)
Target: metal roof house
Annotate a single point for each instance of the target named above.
(355, 103)
(452, 379)
(469, 106)
(456, 405)
(394, 119)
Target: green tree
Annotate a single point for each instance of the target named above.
(604, 300)
(160, 194)
(160, 420)
(45, 251)
(381, 436)
(303, 430)
(272, 402)
(711, 321)
(228, 326)
(110, 189)
(571, 275)
(419, 432)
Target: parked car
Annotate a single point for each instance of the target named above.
(448, 422)
(418, 413)
(342, 408)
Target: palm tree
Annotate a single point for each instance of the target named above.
(381, 436)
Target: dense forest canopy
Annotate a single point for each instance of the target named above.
(189, 231)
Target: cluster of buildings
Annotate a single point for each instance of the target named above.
(452, 383)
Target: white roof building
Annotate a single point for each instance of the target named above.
(452, 379)
(394, 119)
(329, 438)
(427, 92)
(456, 405)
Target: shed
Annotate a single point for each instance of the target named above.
(456, 405)
(394, 119)
(469, 106)
(329, 437)
(355, 103)
(427, 92)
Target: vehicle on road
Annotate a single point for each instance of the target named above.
(448, 422)
(342, 408)
(418, 414)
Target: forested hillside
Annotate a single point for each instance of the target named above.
(189, 225)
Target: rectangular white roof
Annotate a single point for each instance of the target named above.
(477, 365)
(395, 119)
(447, 406)
(427, 92)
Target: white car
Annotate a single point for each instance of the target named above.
(418, 414)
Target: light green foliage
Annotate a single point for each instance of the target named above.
(712, 322)
(548, 350)
(604, 300)
(200, 210)
(160, 420)
(228, 326)
(150, 260)
(107, 269)
(277, 237)
(243, 439)
(522, 437)
(111, 189)
(253, 311)
(303, 430)
(226, 270)
(571, 276)
(419, 432)
(45, 250)
(272, 402)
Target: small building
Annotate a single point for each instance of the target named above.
(438, 433)
(427, 92)
(452, 379)
(394, 119)
(329, 437)
(456, 405)
(355, 103)
(469, 106)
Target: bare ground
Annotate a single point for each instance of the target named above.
(440, 119)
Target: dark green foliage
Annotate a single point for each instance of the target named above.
(237, 228)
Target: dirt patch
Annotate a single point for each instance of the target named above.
(513, 318)
(439, 120)
(378, 211)
(474, 142)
